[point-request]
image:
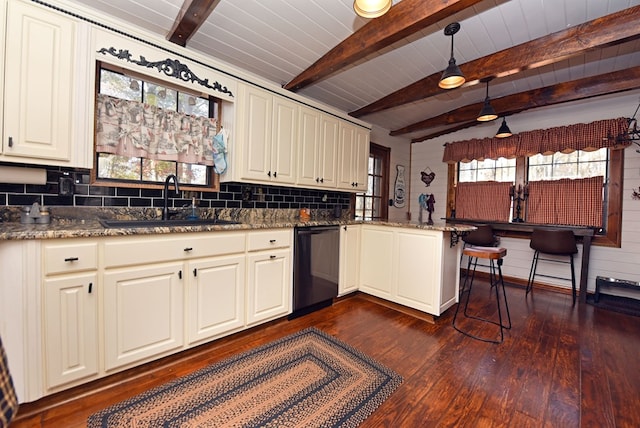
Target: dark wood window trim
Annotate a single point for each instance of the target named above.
(384, 153)
(613, 235)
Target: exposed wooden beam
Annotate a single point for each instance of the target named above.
(192, 15)
(574, 90)
(608, 30)
(402, 20)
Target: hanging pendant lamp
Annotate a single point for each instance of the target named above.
(371, 8)
(487, 113)
(452, 77)
(504, 131)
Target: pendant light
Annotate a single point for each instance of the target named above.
(504, 131)
(452, 77)
(371, 8)
(487, 113)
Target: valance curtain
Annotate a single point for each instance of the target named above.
(484, 200)
(568, 202)
(566, 139)
(134, 129)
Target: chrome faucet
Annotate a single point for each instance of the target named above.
(166, 214)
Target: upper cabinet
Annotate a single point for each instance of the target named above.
(47, 88)
(265, 147)
(280, 141)
(353, 157)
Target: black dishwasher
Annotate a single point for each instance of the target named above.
(316, 266)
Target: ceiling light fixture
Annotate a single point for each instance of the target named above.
(487, 112)
(452, 77)
(504, 131)
(371, 8)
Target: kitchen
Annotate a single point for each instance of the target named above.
(416, 157)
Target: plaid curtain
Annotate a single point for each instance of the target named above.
(566, 201)
(134, 129)
(8, 399)
(566, 139)
(487, 200)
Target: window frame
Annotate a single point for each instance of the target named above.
(214, 178)
(613, 233)
(384, 154)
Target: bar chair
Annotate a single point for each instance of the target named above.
(557, 243)
(483, 236)
(494, 255)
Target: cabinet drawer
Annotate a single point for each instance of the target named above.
(153, 249)
(70, 257)
(274, 238)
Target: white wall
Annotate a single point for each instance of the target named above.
(400, 155)
(621, 263)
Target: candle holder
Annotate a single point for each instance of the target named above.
(519, 196)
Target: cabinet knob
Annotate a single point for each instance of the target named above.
(195, 272)
(269, 173)
(10, 141)
(317, 179)
(275, 174)
(344, 227)
(90, 287)
(71, 259)
(322, 180)
(180, 274)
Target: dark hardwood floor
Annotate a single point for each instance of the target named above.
(559, 366)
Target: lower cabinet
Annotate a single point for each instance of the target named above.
(143, 313)
(349, 259)
(70, 328)
(417, 268)
(215, 297)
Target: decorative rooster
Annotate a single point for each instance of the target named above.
(427, 178)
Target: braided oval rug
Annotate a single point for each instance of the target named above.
(307, 379)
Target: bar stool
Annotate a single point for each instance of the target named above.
(557, 243)
(494, 255)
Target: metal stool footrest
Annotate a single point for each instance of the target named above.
(494, 255)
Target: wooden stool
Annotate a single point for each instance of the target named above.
(492, 254)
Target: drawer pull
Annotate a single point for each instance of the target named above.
(272, 241)
(195, 272)
(180, 274)
(188, 249)
(90, 287)
(10, 141)
(272, 257)
(71, 259)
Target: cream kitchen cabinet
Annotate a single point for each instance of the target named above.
(48, 84)
(349, 259)
(70, 311)
(354, 157)
(267, 132)
(270, 275)
(156, 288)
(319, 138)
(413, 267)
(215, 297)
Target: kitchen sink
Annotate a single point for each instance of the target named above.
(164, 223)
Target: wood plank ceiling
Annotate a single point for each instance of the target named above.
(385, 70)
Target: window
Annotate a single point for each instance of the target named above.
(372, 204)
(136, 169)
(578, 164)
(487, 170)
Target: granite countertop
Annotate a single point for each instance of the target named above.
(93, 228)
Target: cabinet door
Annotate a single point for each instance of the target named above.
(349, 259)
(308, 146)
(329, 140)
(418, 261)
(376, 269)
(70, 328)
(38, 102)
(284, 140)
(215, 297)
(360, 156)
(346, 159)
(143, 313)
(256, 123)
(269, 285)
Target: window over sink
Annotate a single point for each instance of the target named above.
(133, 104)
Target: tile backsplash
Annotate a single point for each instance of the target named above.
(231, 195)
